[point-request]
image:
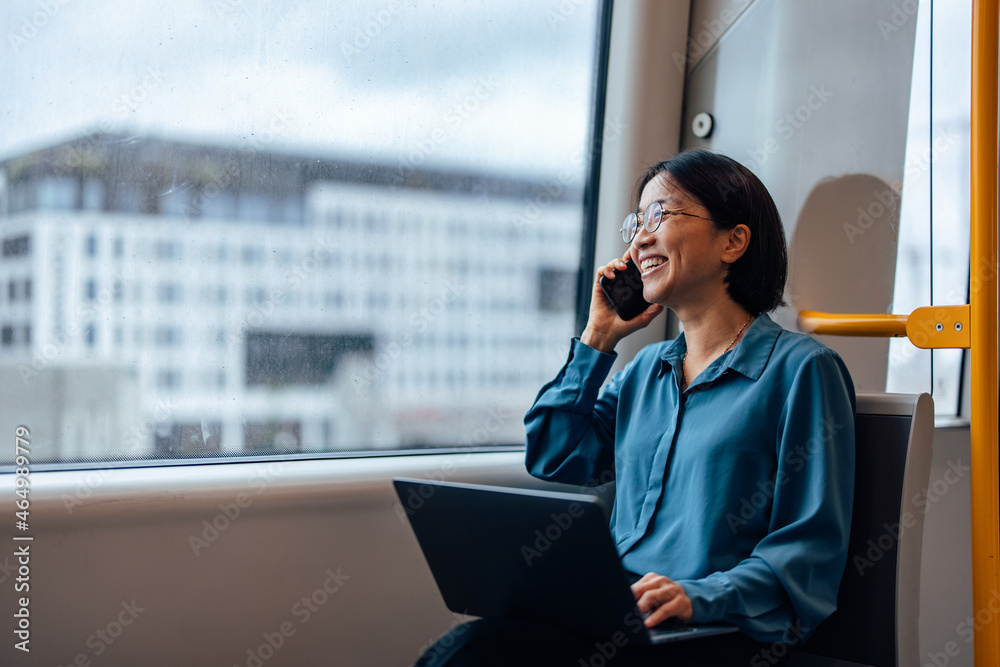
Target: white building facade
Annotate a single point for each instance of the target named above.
(225, 302)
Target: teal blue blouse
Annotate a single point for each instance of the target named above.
(739, 488)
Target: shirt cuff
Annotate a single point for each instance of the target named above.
(709, 597)
(587, 367)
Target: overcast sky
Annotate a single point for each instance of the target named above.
(494, 85)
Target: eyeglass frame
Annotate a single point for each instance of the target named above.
(645, 217)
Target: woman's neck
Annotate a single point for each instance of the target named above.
(711, 331)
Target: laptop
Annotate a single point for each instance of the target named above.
(545, 556)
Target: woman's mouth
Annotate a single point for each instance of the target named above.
(651, 263)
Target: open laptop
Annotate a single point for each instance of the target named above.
(540, 555)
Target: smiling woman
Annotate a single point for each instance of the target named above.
(249, 222)
(694, 427)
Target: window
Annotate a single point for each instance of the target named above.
(366, 192)
(93, 196)
(166, 336)
(56, 193)
(168, 293)
(17, 246)
(932, 266)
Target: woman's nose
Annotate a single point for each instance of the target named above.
(642, 237)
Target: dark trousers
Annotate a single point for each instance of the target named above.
(508, 642)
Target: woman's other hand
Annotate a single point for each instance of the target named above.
(660, 598)
(604, 327)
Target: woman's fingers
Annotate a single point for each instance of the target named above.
(609, 269)
(660, 598)
(673, 608)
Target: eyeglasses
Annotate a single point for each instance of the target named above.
(651, 220)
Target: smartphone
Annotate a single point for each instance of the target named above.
(625, 291)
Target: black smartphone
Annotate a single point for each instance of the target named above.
(625, 291)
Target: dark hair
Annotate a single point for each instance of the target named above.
(733, 195)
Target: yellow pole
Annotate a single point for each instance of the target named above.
(983, 303)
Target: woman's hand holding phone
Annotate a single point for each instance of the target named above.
(605, 327)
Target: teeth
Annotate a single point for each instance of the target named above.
(647, 264)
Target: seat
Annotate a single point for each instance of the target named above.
(879, 600)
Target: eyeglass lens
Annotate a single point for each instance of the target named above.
(651, 219)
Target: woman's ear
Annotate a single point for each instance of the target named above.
(737, 242)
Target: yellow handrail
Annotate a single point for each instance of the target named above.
(928, 327)
(983, 303)
(852, 325)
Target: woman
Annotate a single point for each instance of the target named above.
(732, 446)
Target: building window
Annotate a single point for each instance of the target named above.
(168, 379)
(166, 336)
(7, 335)
(17, 246)
(167, 250)
(90, 246)
(56, 193)
(93, 195)
(168, 293)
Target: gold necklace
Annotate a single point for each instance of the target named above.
(728, 347)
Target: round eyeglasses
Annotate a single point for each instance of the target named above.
(651, 220)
